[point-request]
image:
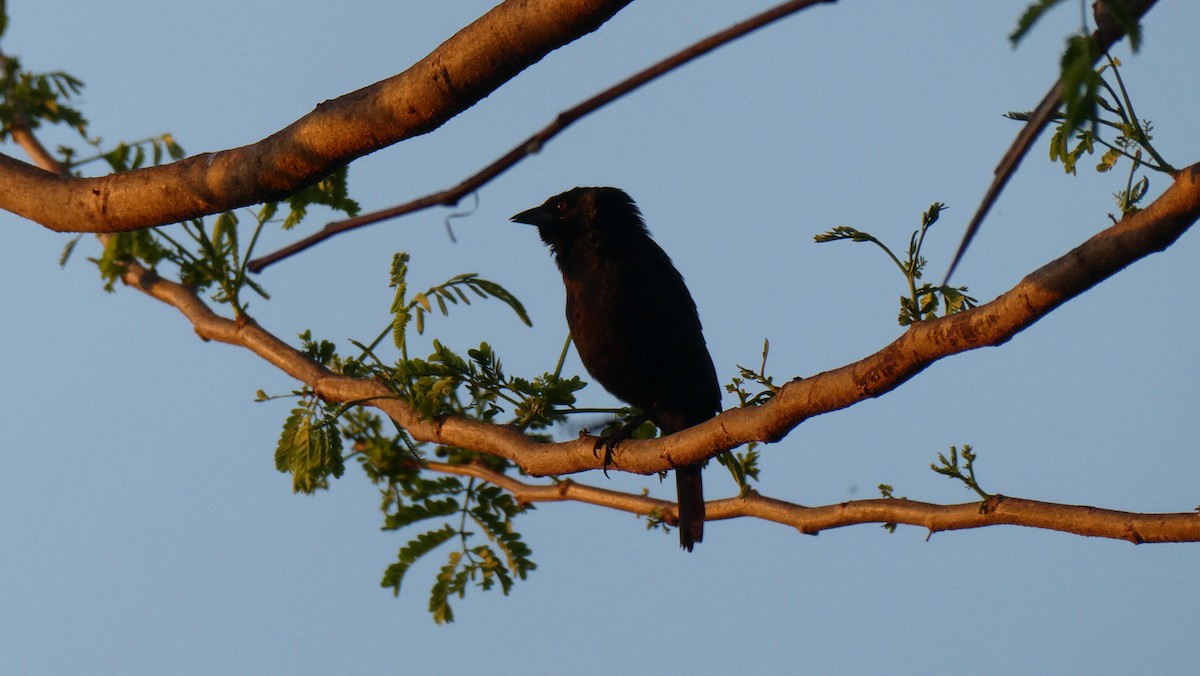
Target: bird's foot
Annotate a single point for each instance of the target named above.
(609, 440)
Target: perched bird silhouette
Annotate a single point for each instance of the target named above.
(633, 321)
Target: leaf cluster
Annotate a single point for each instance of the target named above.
(737, 385)
(331, 191)
(1131, 139)
(446, 508)
(950, 468)
(1080, 81)
(129, 156)
(413, 310)
(310, 447)
(451, 509)
(1081, 126)
(476, 385)
(922, 302)
(501, 560)
(459, 510)
(30, 99)
(207, 253)
(743, 465)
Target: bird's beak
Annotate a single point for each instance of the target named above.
(537, 216)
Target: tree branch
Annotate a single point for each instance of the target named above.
(461, 71)
(534, 143)
(562, 490)
(996, 510)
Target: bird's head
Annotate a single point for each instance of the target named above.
(591, 215)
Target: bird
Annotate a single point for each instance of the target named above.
(633, 322)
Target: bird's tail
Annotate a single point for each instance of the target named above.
(690, 487)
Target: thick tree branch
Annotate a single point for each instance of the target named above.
(461, 71)
(533, 144)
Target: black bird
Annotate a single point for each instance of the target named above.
(633, 321)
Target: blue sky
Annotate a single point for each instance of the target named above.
(145, 529)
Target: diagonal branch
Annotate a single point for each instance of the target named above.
(534, 144)
(461, 71)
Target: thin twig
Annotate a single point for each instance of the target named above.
(533, 144)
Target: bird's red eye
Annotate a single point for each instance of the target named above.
(561, 206)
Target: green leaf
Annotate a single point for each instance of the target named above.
(930, 217)
(429, 509)
(68, 248)
(447, 583)
(399, 309)
(125, 247)
(412, 552)
(1079, 82)
(224, 235)
(267, 212)
(1030, 17)
(1108, 160)
(956, 299)
(845, 232)
(487, 288)
(310, 450)
(173, 149)
(330, 191)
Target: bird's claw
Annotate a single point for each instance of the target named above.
(609, 440)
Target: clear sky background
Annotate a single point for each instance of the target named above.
(145, 530)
